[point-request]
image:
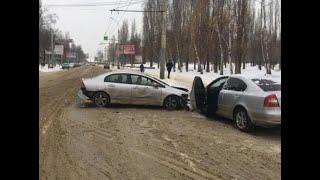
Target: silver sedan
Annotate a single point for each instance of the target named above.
(248, 101)
(129, 87)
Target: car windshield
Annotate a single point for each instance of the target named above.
(267, 85)
(160, 81)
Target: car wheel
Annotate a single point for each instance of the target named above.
(101, 99)
(171, 103)
(242, 120)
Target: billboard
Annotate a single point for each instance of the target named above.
(58, 49)
(128, 49)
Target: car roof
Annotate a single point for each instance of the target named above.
(124, 72)
(249, 77)
(127, 72)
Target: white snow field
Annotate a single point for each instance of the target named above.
(185, 79)
(46, 69)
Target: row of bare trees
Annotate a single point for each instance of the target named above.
(213, 33)
(125, 37)
(48, 32)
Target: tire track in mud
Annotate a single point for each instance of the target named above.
(179, 163)
(172, 158)
(143, 143)
(225, 163)
(56, 93)
(84, 153)
(82, 160)
(91, 150)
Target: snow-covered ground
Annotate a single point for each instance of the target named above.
(185, 79)
(46, 69)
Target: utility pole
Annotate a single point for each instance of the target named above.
(163, 39)
(118, 48)
(105, 54)
(52, 50)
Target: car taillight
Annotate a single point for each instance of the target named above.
(271, 101)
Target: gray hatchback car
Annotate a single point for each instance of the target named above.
(248, 101)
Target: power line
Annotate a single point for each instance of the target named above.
(135, 10)
(131, 3)
(114, 20)
(119, 28)
(120, 19)
(91, 4)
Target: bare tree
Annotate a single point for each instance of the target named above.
(264, 39)
(215, 33)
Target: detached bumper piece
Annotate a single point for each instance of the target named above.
(81, 99)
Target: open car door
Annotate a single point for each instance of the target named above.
(198, 95)
(213, 93)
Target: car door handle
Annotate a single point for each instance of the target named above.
(236, 96)
(135, 87)
(111, 85)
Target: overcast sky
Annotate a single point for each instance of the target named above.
(88, 24)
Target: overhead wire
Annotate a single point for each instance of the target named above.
(120, 18)
(113, 22)
(92, 4)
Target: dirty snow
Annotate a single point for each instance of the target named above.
(185, 79)
(46, 69)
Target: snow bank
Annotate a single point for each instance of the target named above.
(185, 79)
(46, 69)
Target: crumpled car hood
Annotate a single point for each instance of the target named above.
(180, 88)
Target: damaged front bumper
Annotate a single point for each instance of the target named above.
(185, 103)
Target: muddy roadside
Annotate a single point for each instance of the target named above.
(138, 142)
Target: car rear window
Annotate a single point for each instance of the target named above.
(267, 85)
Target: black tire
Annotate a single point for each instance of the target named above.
(171, 103)
(101, 99)
(241, 120)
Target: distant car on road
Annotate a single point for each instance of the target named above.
(248, 101)
(106, 66)
(128, 87)
(66, 66)
(72, 65)
(69, 65)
